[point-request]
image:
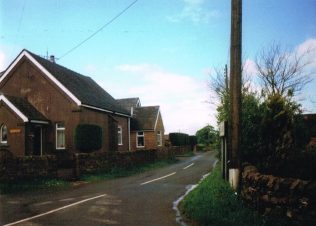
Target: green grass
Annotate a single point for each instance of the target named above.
(214, 203)
(34, 185)
(31, 185)
(187, 154)
(124, 172)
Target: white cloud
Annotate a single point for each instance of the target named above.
(182, 98)
(307, 98)
(2, 61)
(250, 67)
(195, 11)
(308, 49)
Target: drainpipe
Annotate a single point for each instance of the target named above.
(129, 134)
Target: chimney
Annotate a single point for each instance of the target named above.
(52, 58)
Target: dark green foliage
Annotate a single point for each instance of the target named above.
(88, 137)
(250, 126)
(179, 139)
(208, 136)
(277, 131)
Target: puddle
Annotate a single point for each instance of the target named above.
(188, 188)
(179, 218)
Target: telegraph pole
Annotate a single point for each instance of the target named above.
(235, 91)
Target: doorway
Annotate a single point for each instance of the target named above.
(37, 140)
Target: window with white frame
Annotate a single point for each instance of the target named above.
(119, 135)
(159, 140)
(3, 134)
(60, 136)
(140, 139)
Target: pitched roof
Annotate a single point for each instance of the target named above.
(128, 103)
(145, 118)
(82, 89)
(24, 109)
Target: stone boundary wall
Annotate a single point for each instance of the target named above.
(270, 195)
(103, 161)
(30, 167)
(39, 167)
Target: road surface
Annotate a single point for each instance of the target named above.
(143, 199)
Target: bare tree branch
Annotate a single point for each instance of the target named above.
(281, 72)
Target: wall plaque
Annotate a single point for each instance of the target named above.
(15, 130)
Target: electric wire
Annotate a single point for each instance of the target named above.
(100, 29)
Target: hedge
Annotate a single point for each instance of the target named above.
(193, 140)
(179, 139)
(88, 137)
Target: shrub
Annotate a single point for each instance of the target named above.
(88, 137)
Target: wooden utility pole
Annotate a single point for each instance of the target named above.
(235, 91)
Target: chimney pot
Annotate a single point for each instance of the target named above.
(52, 58)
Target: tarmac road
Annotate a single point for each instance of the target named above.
(143, 199)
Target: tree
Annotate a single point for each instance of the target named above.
(281, 72)
(207, 135)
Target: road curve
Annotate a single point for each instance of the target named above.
(143, 199)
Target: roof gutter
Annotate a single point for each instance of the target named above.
(104, 110)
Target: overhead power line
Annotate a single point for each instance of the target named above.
(100, 29)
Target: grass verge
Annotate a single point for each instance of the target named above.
(187, 154)
(124, 172)
(214, 203)
(34, 185)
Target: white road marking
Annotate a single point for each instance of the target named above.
(188, 166)
(66, 200)
(43, 203)
(55, 210)
(147, 182)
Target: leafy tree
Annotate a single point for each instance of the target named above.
(277, 130)
(207, 135)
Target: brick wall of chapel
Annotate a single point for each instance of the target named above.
(16, 139)
(27, 81)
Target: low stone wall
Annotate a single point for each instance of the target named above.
(103, 161)
(291, 197)
(30, 167)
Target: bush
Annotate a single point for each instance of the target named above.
(88, 137)
(179, 139)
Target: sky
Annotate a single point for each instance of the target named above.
(162, 51)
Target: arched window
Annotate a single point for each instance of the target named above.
(3, 134)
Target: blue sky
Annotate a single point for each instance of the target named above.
(159, 50)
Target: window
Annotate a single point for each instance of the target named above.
(140, 139)
(159, 140)
(119, 135)
(60, 136)
(3, 134)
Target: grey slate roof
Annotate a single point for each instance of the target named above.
(83, 87)
(128, 103)
(144, 118)
(26, 108)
